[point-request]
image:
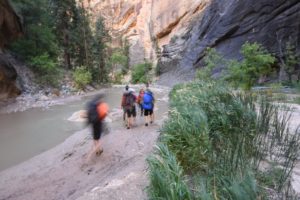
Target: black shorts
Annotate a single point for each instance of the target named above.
(130, 112)
(97, 130)
(148, 112)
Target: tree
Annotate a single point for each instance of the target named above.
(211, 60)
(39, 37)
(117, 58)
(256, 63)
(65, 15)
(289, 60)
(101, 37)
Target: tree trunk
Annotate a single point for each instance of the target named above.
(67, 58)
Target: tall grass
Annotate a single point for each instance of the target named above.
(220, 139)
(166, 176)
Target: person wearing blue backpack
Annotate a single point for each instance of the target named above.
(148, 106)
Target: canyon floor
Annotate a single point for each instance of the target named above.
(120, 172)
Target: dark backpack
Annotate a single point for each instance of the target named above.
(92, 113)
(129, 101)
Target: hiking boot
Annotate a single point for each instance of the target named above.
(146, 124)
(128, 127)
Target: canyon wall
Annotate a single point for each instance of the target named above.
(146, 24)
(10, 28)
(176, 32)
(226, 25)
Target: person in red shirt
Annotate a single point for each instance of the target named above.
(140, 100)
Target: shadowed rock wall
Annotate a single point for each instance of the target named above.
(226, 25)
(10, 28)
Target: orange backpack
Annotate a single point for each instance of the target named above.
(102, 110)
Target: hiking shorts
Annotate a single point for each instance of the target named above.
(130, 112)
(134, 112)
(148, 112)
(97, 130)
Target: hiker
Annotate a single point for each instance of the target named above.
(124, 111)
(97, 110)
(128, 105)
(140, 100)
(148, 106)
(132, 91)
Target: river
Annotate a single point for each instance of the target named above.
(29, 133)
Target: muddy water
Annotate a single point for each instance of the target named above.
(29, 133)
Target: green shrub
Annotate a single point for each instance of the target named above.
(140, 73)
(257, 62)
(82, 77)
(211, 60)
(47, 70)
(206, 119)
(118, 78)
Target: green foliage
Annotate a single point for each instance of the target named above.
(118, 78)
(220, 139)
(39, 37)
(256, 63)
(65, 16)
(166, 176)
(47, 70)
(211, 60)
(126, 53)
(140, 73)
(290, 60)
(210, 115)
(82, 77)
(62, 30)
(271, 177)
(297, 100)
(117, 59)
(100, 70)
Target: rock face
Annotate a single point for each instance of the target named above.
(10, 28)
(10, 23)
(226, 25)
(8, 76)
(147, 24)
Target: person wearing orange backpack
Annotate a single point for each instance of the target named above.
(97, 110)
(140, 100)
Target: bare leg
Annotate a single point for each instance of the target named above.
(147, 119)
(129, 122)
(95, 149)
(152, 118)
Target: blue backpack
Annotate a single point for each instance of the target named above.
(148, 101)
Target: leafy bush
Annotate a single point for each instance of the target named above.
(257, 62)
(140, 73)
(82, 77)
(211, 60)
(46, 68)
(118, 78)
(207, 119)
